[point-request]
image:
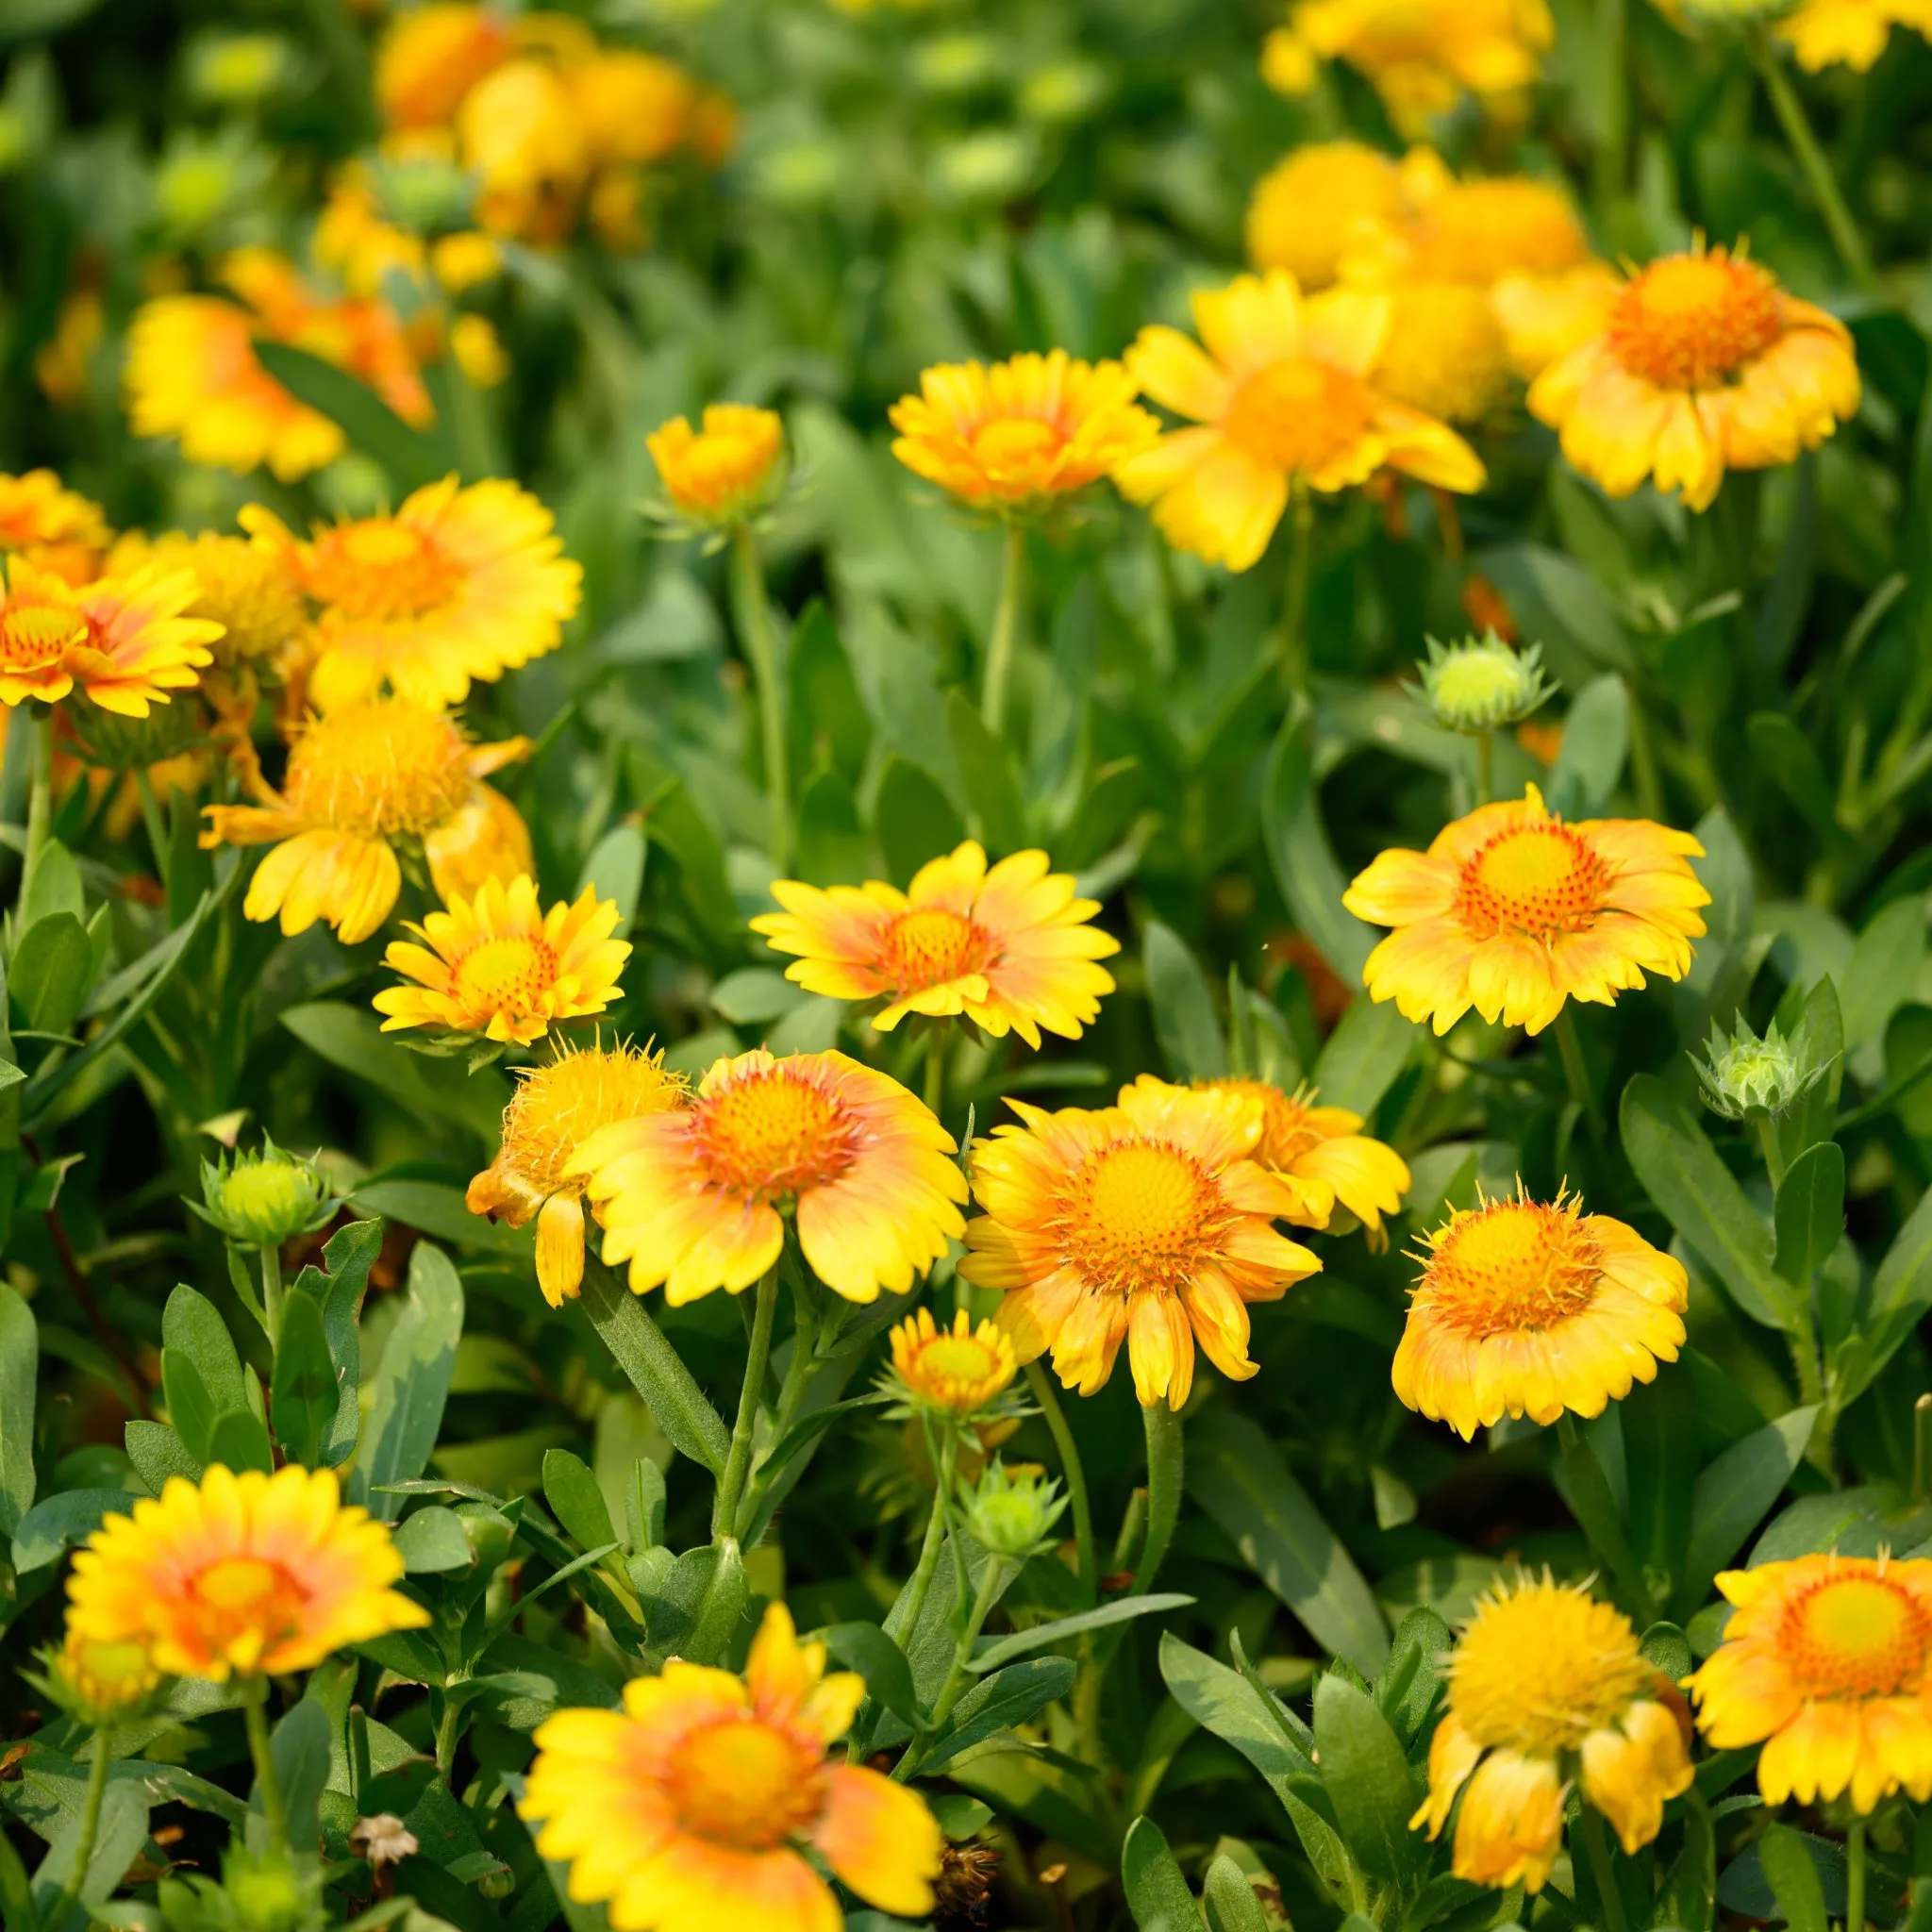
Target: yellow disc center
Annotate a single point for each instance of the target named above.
(511, 972)
(379, 767)
(742, 1783)
(930, 946)
(1693, 321)
(1511, 1266)
(1857, 1636)
(1540, 880)
(1140, 1214)
(381, 568)
(1298, 415)
(773, 1134)
(1017, 443)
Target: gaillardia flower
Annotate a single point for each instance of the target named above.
(358, 780)
(54, 528)
(724, 472)
(1531, 1309)
(555, 1109)
(99, 1681)
(1512, 911)
(955, 1371)
(1281, 394)
(1321, 1155)
(500, 966)
(696, 1199)
(238, 585)
(1308, 212)
(431, 56)
(242, 1574)
(1704, 364)
(692, 1808)
(1148, 1222)
(1011, 948)
(262, 1199)
(1547, 1686)
(1022, 432)
(1824, 1662)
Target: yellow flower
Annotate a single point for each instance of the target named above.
(692, 1808)
(52, 528)
(555, 1109)
(1308, 211)
(458, 584)
(1544, 1685)
(1321, 1155)
(1512, 911)
(352, 239)
(1528, 1309)
(240, 1575)
(1022, 432)
(239, 585)
(1850, 33)
(359, 779)
(1148, 1222)
(696, 1199)
(1544, 317)
(1283, 396)
(103, 1680)
(478, 351)
(431, 56)
(635, 108)
(1474, 230)
(1445, 353)
(1703, 365)
(956, 1370)
(521, 136)
(1825, 1663)
(1010, 948)
(727, 470)
(462, 260)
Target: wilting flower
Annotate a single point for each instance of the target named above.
(265, 1198)
(54, 528)
(1531, 1309)
(383, 1839)
(1547, 1686)
(1825, 1663)
(432, 56)
(1309, 211)
(555, 1109)
(358, 780)
(1512, 911)
(241, 1575)
(1148, 1222)
(724, 472)
(1282, 395)
(693, 1805)
(1704, 364)
(697, 1199)
(1480, 684)
(121, 642)
(958, 1370)
(1010, 948)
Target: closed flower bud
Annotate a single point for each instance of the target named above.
(1013, 1510)
(267, 1893)
(1481, 684)
(99, 1680)
(1743, 1074)
(264, 1199)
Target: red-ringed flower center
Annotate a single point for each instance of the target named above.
(1299, 415)
(930, 946)
(1140, 1214)
(1016, 443)
(1511, 1266)
(1539, 879)
(379, 767)
(512, 972)
(770, 1134)
(245, 1596)
(34, 636)
(380, 568)
(1857, 1636)
(742, 1783)
(1692, 321)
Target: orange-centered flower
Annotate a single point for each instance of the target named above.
(56, 529)
(1528, 1309)
(1010, 948)
(1022, 432)
(1321, 1155)
(724, 472)
(1546, 1684)
(1704, 364)
(1824, 1662)
(1283, 394)
(1148, 1222)
(696, 1199)
(1310, 211)
(431, 56)
(955, 1371)
(241, 1575)
(555, 1109)
(1512, 911)
(692, 1807)
(358, 780)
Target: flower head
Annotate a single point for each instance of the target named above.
(636, 107)
(1480, 684)
(100, 1681)
(1824, 1662)
(1511, 910)
(432, 56)
(1445, 353)
(1848, 33)
(1321, 1156)
(1148, 1222)
(1742, 1075)
(695, 1199)
(960, 1370)
(54, 527)
(265, 1198)
(383, 1839)
(1282, 392)
(1470, 229)
(1011, 1512)
(693, 1806)
(238, 585)
(1010, 948)
(1308, 211)
(241, 1575)
(1528, 1309)
(1546, 1683)
(724, 472)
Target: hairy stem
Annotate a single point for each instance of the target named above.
(731, 1484)
(754, 634)
(89, 1831)
(1846, 237)
(1048, 1401)
(1164, 1471)
(40, 798)
(269, 1787)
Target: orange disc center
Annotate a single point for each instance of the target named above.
(34, 636)
(742, 1783)
(1511, 1266)
(380, 569)
(1299, 415)
(771, 1134)
(1693, 321)
(512, 972)
(1540, 879)
(1140, 1214)
(1022, 444)
(1858, 1636)
(930, 946)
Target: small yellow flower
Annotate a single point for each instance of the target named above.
(102, 1680)
(499, 966)
(1321, 1155)
(955, 1371)
(478, 351)
(1528, 1309)
(725, 471)
(463, 260)
(521, 137)
(54, 528)
(693, 1807)
(432, 56)
(239, 585)
(1472, 229)
(1849, 33)
(1547, 1687)
(635, 108)
(1512, 911)
(240, 1575)
(1308, 211)
(1445, 354)
(1826, 1662)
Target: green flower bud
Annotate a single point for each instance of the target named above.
(235, 68)
(264, 1199)
(1480, 683)
(1062, 92)
(267, 1891)
(1743, 1074)
(200, 180)
(1013, 1510)
(424, 193)
(955, 63)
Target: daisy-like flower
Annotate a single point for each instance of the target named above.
(1321, 1155)
(432, 56)
(1547, 1687)
(358, 780)
(1826, 1662)
(1148, 1222)
(239, 585)
(691, 1810)
(53, 528)
(1471, 230)
(500, 966)
(1023, 433)
(1523, 1308)
(241, 1575)
(1010, 948)
(1704, 364)
(555, 1109)
(1446, 353)
(697, 1199)
(956, 1371)
(1309, 211)
(724, 470)
(121, 642)
(1512, 911)
(1282, 393)
(458, 584)
(1849, 33)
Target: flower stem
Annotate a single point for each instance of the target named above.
(935, 1043)
(267, 1786)
(151, 817)
(40, 797)
(1612, 54)
(804, 1343)
(754, 632)
(1845, 235)
(272, 1291)
(1164, 1470)
(1484, 766)
(1576, 1075)
(956, 1677)
(1041, 1383)
(1855, 1876)
(1295, 600)
(1602, 1869)
(1774, 1154)
(1005, 626)
(89, 1831)
(731, 1484)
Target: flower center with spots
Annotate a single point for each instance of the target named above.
(1693, 321)
(511, 972)
(1539, 880)
(1857, 1636)
(380, 569)
(770, 1134)
(1140, 1214)
(379, 767)
(243, 1598)
(1511, 1267)
(930, 946)
(743, 1784)
(1540, 1670)
(1298, 415)
(34, 637)
(1017, 444)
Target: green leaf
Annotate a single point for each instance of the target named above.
(1121, 1610)
(867, 1649)
(1359, 1064)
(1367, 1772)
(1731, 1497)
(654, 1370)
(440, 1213)
(190, 1409)
(986, 771)
(1587, 1489)
(1810, 1214)
(52, 972)
(1157, 1896)
(19, 1355)
(302, 1386)
(828, 720)
(1596, 738)
(1781, 751)
(191, 1325)
(118, 1839)
(299, 1747)
(615, 870)
(575, 1500)
(1407, 1691)
(239, 1441)
(1816, 1039)
(56, 1524)
(721, 1609)
(56, 887)
(1660, 1457)
(1183, 1004)
(917, 822)
(437, 1091)
(371, 425)
(1303, 860)
(832, 845)
(1229, 1898)
(431, 1539)
(1901, 1293)
(348, 1258)
(1793, 1879)
(1688, 1897)
(158, 1453)
(1884, 967)
(808, 1429)
(412, 1383)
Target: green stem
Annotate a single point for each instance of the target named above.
(40, 797)
(1643, 773)
(805, 1342)
(1569, 1049)
(956, 1677)
(272, 1291)
(1041, 1383)
(1855, 1876)
(754, 632)
(1774, 1154)
(1484, 766)
(1612, 154)
(1164, 1470)
(737, 1462)
(447, 1728)
(89, 1831)
(267, 1786)
(1598, 1847)
(151, 817)
(935, 1043)
(1006, 624)
(1789, 109)
(1295, 600)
